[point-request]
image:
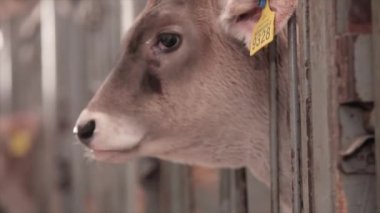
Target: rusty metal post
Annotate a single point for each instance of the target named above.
(70, 48)
(305, 106)
(295, 127)
(322, 21)
(274, 145)
(376, 67)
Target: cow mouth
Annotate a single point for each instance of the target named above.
(113, 156)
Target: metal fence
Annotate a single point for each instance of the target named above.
(334, 74)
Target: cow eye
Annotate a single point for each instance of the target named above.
(168, 42)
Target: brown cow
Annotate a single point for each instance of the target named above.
(186, 90)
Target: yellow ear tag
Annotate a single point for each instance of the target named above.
(263, 33)
(20, 144)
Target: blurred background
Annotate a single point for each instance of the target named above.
(53, 56)
(55, 53)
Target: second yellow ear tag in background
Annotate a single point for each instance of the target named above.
(20, 143)
(263, 33)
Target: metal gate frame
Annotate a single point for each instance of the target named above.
(376, 67)
(321, 187)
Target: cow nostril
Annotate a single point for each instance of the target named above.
(86, 131)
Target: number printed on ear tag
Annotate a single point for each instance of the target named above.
(263, 33)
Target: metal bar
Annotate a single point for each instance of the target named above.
(149, 174)
(180, 189)
(49, 58)
(295, 115)
(6, 76)
(233, 194)
(131, 186)
(49, 106)
(258, 195)
(274, 145)
(322, 19)
(376, 67)
(241, 190)
(70, 48)
(305, 107)
(127, 15)
(225, 191)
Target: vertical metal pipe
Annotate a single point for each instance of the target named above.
(180, 189)
(132, 183)
(127, 15)
(49, 59)
(274, 146)
(295, 115)
(233, 193)
(376, 67)
(74, 66)
(6, 76)
(49, 105)
(241, 191)
(322, 31)
(225, 191)
(305, 106)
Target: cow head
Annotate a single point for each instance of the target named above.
(185, 88)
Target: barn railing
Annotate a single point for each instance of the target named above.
(376, 83)
(295, 124)
(274, 128)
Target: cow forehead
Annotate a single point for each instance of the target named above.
(164, 13)
(203, 7)
(179, 2)
(149, 23)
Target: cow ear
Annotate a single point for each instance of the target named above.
(239, 17)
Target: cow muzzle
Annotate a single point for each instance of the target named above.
(102, 132)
